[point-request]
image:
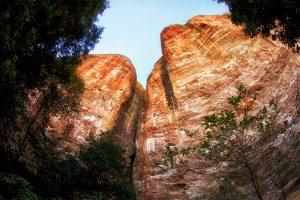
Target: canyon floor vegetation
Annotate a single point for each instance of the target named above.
(42, 43)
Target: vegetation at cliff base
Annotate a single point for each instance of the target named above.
(41, 44)
(276, 18)
(97, 171)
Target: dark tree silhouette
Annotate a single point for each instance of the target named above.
(42, 41)
(276, 18)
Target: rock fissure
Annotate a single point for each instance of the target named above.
(203, 62)
(168, 87)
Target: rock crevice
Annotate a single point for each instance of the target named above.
(203, 62)
(168, 87)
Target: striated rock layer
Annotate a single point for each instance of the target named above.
(112, 101)
(202, 63)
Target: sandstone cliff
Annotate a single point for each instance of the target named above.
(112, 101)
(202, 63)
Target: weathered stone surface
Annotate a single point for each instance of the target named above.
(295, 195)
(112, 101)
(203, 61)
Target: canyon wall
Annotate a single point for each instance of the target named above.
(112, 101)
(203, 61)
(202, 64)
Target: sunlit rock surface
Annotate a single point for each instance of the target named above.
(202, 63)
(112, 101)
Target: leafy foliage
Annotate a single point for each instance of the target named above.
(278, 18)
(242, 140)
(16, 187)
(229, 191)
(97, 170)
(42, 41)
(169, 154)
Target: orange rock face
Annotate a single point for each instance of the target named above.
(202, 63)
(112, 101)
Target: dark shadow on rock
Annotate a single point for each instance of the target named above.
(168, 87)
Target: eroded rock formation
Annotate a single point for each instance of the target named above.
(112, 101)
(202, 63)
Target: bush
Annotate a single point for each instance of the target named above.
(97, 171)
(13, 186)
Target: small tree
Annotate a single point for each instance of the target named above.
(61, 99)
(41, 45)
(227, 138)
(244, 141)
(42, 40)
(97, 171)
(13, 186)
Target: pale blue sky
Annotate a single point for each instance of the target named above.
(132, 27)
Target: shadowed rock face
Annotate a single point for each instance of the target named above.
(202, 63)
(112, 101)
